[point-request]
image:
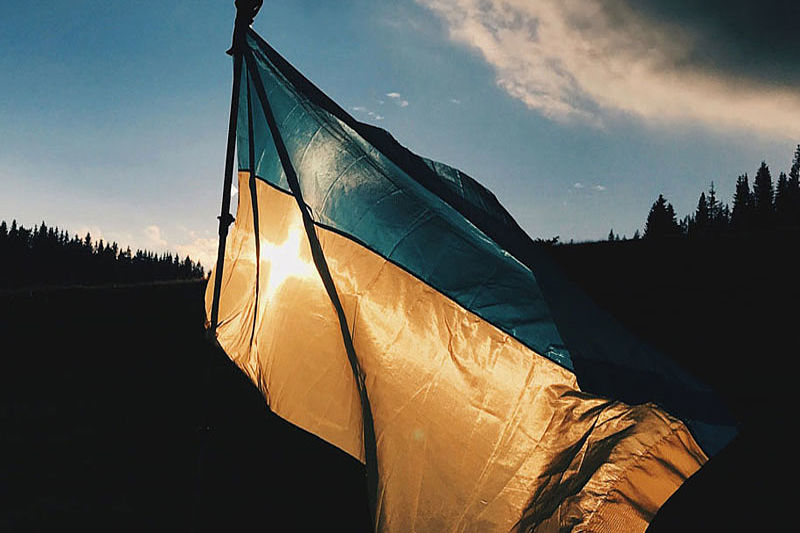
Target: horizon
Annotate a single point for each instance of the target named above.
(115, 118)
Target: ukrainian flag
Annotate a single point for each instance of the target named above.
(390, 305)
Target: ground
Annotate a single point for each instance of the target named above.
(117, 414)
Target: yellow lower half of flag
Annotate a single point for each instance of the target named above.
(475, 431)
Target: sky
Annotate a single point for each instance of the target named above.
(575, 113)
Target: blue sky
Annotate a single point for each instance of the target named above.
(113, 115)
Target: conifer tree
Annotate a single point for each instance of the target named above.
(742, 213)
(702, 219)
(686, 225)
(673, 228)
(763, 198)
(724, 218)
(793, 187)
(783, 207)
(661, 220)
(719, 213)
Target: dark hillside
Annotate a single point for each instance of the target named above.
(725, 308)
(117, 414)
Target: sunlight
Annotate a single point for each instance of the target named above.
(285, 261)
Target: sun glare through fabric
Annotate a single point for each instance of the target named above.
(284, 260)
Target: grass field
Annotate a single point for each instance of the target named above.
(117, 414)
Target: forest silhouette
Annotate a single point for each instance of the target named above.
(766, 207)
(44, 256)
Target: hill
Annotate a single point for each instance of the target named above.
(118, 414)
(725, 308)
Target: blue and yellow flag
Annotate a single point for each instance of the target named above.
(390, 305)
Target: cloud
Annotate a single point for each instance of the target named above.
(202, 249)
(578, 186)
(588, 60)
(153, 237)
(748, 37)
(95, 232)
(455, 101)
(372, 114)
(398, 99)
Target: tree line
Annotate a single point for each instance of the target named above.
(45, 255)
(766, 206)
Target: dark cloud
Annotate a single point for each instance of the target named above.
(731, 64)
(758, 39)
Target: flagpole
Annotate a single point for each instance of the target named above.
(246, 11)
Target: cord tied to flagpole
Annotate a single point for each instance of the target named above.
(226, 220)
(246, 11)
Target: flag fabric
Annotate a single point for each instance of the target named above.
(389, 304)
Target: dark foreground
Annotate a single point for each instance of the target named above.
(116, 414)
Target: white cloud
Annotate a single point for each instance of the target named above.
(578, 185)
(589, 59)
(455, 101)
(153, 237)
(398, 99)
(372, 114)
(95, 232)
(599, 187)
(203, 249)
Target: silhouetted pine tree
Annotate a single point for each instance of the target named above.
(685, 225)
(793, 188)
(661, 221)
(763, 199)
(724, 222)
(783, 206)
(700, 223)
(718, 213)
(611, 235)
(742, 213)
